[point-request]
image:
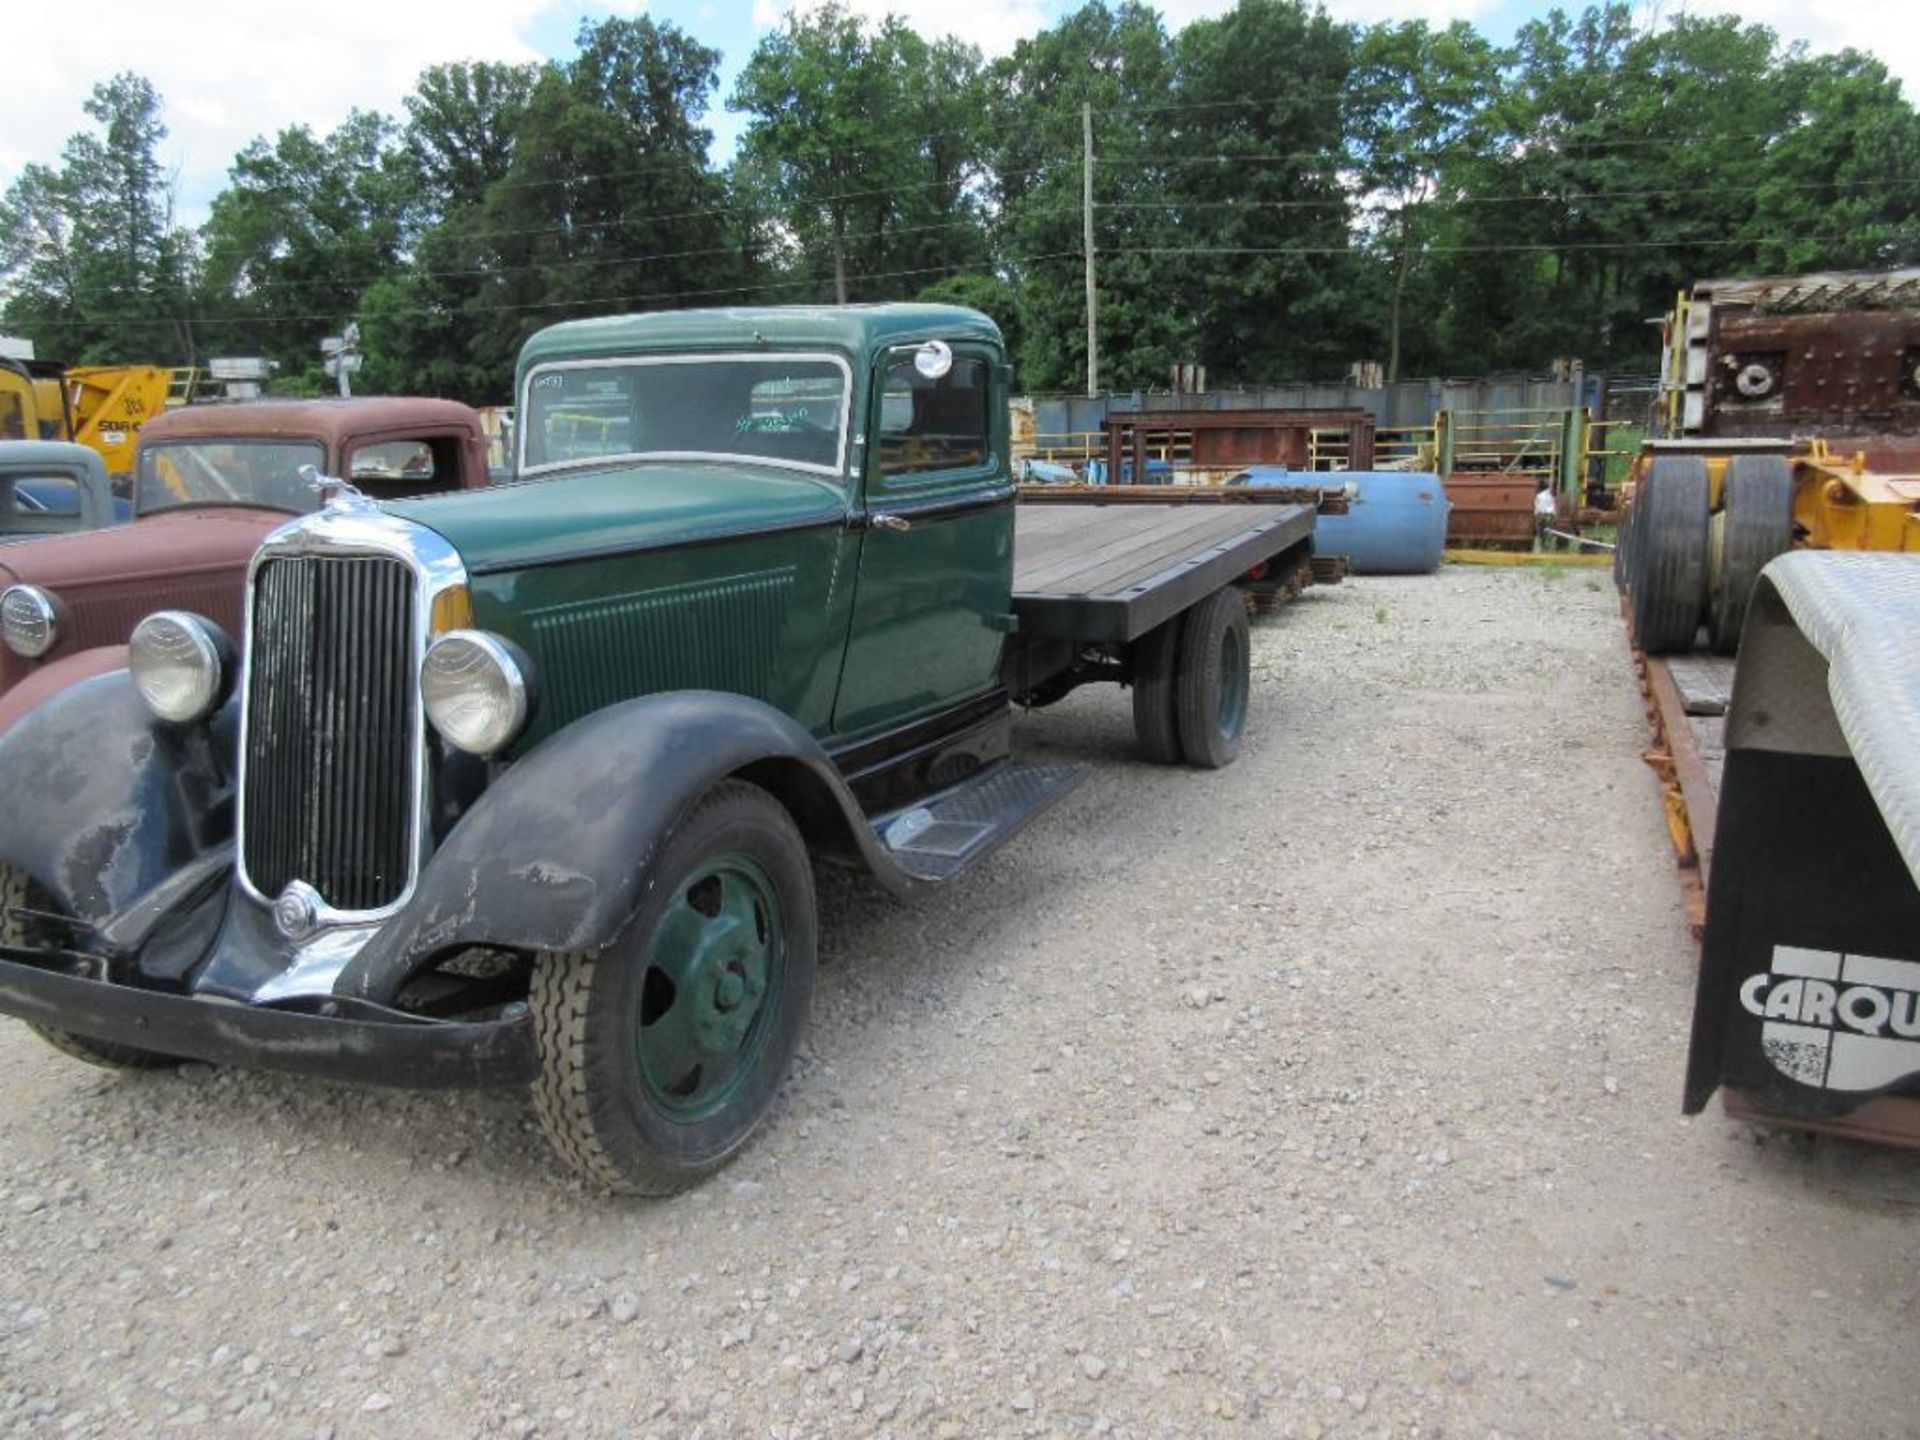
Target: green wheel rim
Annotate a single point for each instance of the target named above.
(714, 968)
(1233, 684)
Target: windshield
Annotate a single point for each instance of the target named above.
(788, 410)
(227, 472)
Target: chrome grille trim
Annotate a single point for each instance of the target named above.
(331, 725)
(316, 686)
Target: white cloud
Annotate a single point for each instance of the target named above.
(229, 72)
(1889, 29)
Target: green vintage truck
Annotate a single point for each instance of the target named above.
(525, 785)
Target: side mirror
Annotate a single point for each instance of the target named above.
(933, 359)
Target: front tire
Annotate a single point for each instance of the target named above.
(662, 1052)
(17, 893)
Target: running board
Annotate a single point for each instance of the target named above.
(936, 841)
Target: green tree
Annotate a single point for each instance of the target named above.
(1119, 62)
(868, 143)
(1417, 100)
(1260, 223)
(609, 202)
(92, 266)
(305, 226)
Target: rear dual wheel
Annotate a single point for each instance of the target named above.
(1667, 558)
(1755, 524)
(1192, 676)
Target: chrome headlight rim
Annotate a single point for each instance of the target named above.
(42, 608)
(514, 673)
(167, 637)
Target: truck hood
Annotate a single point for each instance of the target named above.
(142, 553)
(620, 508)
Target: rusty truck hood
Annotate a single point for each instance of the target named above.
(108, 581)
(145, 552)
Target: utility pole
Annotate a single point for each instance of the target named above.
(1086, 218)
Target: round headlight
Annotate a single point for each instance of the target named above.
(474, 687)
(28, 620)
(181, 665)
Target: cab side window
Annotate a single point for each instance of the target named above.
(934, 424)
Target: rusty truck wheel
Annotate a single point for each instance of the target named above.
(661, 1053)
(1756, 525)
(19, 897)
(1669, 559)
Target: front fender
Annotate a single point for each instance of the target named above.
(555, 854)
(103, 801)
(44, 683)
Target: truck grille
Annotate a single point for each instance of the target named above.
(332, 730)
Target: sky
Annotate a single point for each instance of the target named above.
(230, 72)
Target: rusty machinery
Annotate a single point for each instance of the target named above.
(1791, 416)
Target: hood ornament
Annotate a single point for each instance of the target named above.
(335, 493)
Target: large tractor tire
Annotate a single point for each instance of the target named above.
(1756, 524)
(1623, 551)
(1669, 561)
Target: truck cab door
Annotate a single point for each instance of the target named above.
(933, 593)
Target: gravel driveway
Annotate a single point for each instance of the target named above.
(1334, 1093)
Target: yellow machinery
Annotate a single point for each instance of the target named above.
(1791, 416)
(99, 406)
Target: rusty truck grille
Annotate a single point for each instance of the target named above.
(332, 733)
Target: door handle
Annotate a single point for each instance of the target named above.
(890, 522)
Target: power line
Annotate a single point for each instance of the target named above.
(487, 272)
(746, 210)
(598, 302)
(1546, 247)
(1346, 200)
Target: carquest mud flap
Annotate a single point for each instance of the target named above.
(1809, 991)
(1808, 1009)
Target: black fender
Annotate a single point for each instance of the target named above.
(102, 801)
(555, 853)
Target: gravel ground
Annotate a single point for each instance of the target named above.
(1335, 1093)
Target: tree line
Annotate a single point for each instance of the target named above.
(1276, 195)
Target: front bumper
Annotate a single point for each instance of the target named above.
(330, 1038)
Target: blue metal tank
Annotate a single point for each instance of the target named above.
(1396, 520)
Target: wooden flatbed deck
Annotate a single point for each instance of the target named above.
(1112, 572)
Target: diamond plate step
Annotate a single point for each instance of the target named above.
(936, 841)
